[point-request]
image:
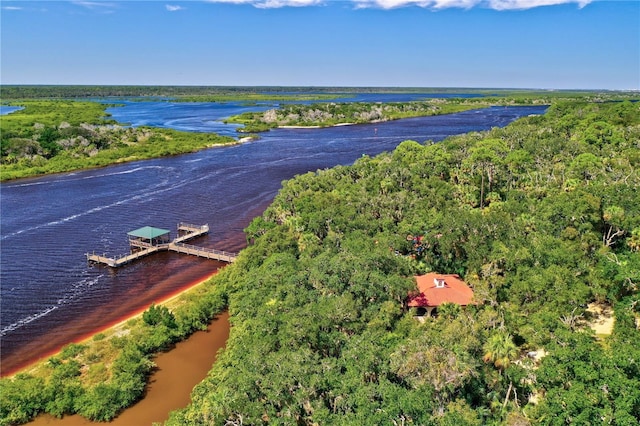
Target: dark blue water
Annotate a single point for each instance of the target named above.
(50, 296)
(185, 116)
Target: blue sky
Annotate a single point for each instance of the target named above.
(554, 44)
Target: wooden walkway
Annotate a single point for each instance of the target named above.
(187, 231)
(190, 231)
(116, 262)
(208, 253)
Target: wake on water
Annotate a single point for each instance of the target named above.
(77, 290)
(64, 181)
(146, 194)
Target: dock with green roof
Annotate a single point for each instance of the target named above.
(148, 240)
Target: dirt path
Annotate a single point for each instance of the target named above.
(603, 319)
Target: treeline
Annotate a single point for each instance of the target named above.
(60, 136)
(13, 92)
(100, 378)
(179, 93)
(331, 113)
(10, 91)
(541, 218)
(228, 93)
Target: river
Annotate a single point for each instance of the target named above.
(175, 375)
(51, 296)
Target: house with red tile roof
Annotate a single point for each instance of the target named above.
(436, 289)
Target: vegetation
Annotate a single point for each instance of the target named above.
(541, 218)
(59, 136)
(52, 136)
(331, 114)
(99, 378)
(235, 93)
(176, 93)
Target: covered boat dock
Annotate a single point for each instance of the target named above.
(147, 240)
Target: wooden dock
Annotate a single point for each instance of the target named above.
(116, 262)
(190, 231)
(223, 256)
(158, 240)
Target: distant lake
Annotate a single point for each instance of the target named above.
(51, 296)
(5, 109)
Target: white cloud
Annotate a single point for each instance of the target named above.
(528, 4)
(466, 4)
(271, 4)
(96, 5)
(11, 8)
(432, 4)
(173, 8)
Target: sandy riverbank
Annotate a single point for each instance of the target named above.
(171, 302)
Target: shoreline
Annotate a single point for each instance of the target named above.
(131, 159)
(319, 126)
(112, 329)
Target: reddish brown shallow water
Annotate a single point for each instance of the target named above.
(154, 286)
(178, 371)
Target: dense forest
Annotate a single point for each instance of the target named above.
(541, 218)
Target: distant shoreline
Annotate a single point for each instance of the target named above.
(318, 127)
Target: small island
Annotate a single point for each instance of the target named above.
(339, 114)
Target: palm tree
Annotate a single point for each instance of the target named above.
(501, 351)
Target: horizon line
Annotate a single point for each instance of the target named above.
(322, 86)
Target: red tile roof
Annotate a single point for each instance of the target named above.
(454, 290)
